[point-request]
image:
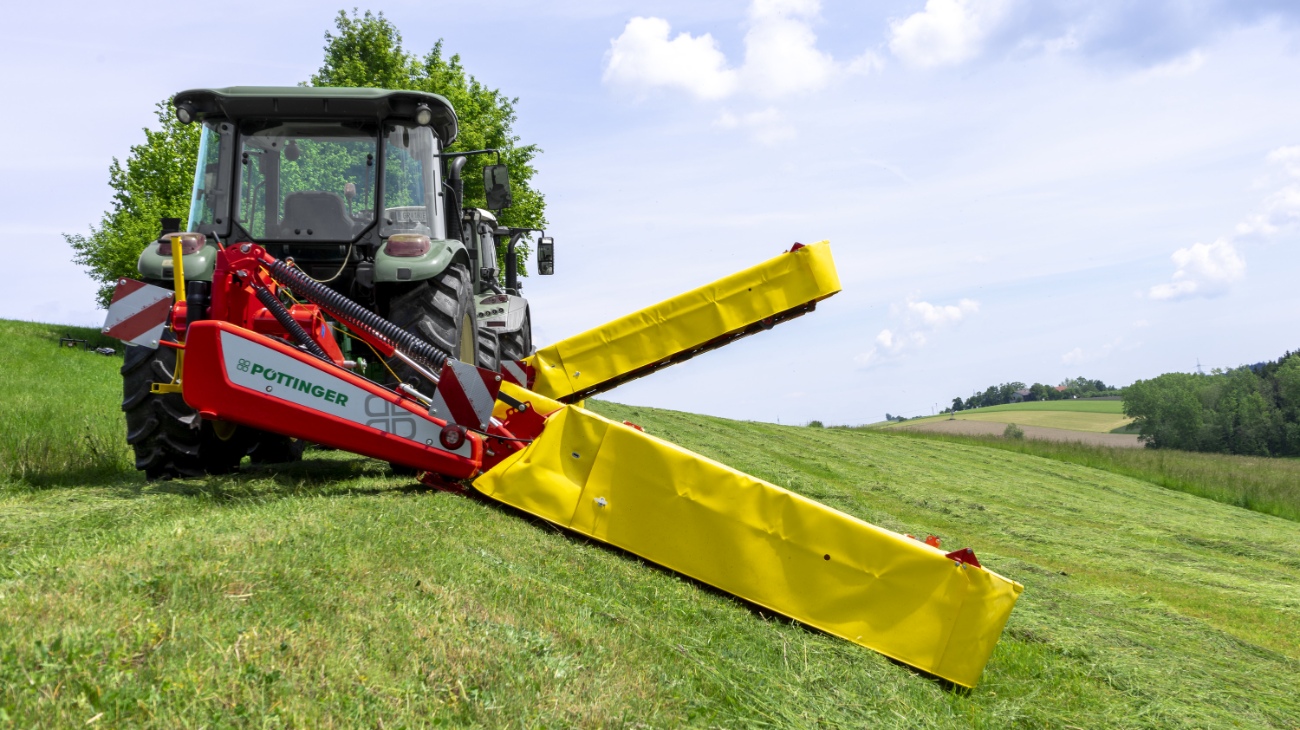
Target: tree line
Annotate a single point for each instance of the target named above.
(1251, 410)
(1003, 393)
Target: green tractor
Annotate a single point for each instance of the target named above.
(357, 188)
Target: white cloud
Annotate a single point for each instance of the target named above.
(1207, 269)
(919, 321)
(1079, 355)
(946, 32)
(1202, 270)
(1184, 65)
(781, 56)
(644, 57)
(768, 127)
(935, 316)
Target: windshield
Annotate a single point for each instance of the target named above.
(411, 182)
(307, 182)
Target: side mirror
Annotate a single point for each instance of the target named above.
(546, 256)
(496, 186)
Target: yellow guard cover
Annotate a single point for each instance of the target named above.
(758, 541)
(686, 321)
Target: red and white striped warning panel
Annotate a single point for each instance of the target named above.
(138, 312)
(518, 372)
(465, 395)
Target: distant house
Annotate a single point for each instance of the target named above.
(1020, 395)
(1060, 389)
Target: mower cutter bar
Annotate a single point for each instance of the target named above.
(686, 325)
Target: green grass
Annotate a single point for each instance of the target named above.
(1094, 416)
(1262, 484)
(331, 594)
(59, 406)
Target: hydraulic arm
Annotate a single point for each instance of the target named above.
(266, 357)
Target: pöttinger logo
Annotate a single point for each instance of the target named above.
(243, 365)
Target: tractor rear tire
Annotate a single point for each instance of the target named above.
(171, 441)
(518, 345)
(169, 438)
(440, 311)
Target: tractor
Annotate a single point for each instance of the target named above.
(358, 189)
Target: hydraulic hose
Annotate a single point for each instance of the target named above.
(286, 320)
(348, 311)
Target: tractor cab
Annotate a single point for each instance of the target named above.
(325, 176)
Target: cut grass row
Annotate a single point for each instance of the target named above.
(1093, 416)
(1262, 484)
(333, 594)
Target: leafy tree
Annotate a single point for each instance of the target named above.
(155, 182)
(1167, 410)
(366, 50)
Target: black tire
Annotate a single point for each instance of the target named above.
(518, 344)
(439, 311)
(169, 438)
(489, 349)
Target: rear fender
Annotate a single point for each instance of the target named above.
(198, 265)
(441, 254)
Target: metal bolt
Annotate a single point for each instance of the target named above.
(576, 373)
(600, 501)
(245, 248)
(498, 377)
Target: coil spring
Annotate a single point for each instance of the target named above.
(277, 310)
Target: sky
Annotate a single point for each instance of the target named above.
(1014, 190)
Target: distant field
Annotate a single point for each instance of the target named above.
(335, 594)
(1104, 416)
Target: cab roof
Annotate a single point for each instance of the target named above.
(319, 102)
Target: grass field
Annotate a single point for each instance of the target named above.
(332, 594)
(1263, 484)
(1100, 416)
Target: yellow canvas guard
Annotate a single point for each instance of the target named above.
(787, 285)
(758, 541)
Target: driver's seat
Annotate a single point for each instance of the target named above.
(315, 215)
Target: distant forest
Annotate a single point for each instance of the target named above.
(1252, 410)
(996, 395)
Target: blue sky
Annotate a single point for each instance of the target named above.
(1014, 190)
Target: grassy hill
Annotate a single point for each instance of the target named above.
(1093, 416)
(332, 594)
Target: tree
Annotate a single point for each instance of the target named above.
(366, 50)
(157, 177)
(155, 182)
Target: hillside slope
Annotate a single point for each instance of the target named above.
(331, 594)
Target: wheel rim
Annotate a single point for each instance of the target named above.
(225, 430)
(467, 340)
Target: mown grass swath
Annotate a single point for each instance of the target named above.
(333, 594)
(1262, 484)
